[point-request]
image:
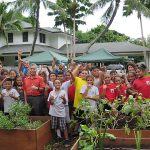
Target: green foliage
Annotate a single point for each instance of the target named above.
(138, 110)
(5, 122)
(110, 35)
(9, 19)
(98, 121)
(90, 137)
(18, 117)
(66, 11)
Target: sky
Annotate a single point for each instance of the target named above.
(126, 25)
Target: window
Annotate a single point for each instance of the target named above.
(25, 36)
(10, 37)
(42, 38)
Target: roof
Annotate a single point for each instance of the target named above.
(54, 30)
(100, 55)
(46, 58)
(112, 47)
(26, 48)
(26, 25)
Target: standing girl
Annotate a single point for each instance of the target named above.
(142, 83)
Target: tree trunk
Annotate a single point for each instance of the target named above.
(66, 39)
(108, 25)
(36, 27)
(74, 38)
(143, 40)
(74, 32)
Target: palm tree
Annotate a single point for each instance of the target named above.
(9, 20)
(33, 7)
(107, 17)
(77, 10)
(142, 8)
(71, 18)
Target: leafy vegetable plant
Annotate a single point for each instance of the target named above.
(18, 117)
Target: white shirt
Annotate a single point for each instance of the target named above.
(58, 108)
(92, 92)
(65, 85)
(97, 82)
(7, 99)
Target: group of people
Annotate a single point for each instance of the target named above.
(57, 91)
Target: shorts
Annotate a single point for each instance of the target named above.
(58, 123)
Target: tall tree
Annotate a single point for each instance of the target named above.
(77, 9)
(33, 7)
(142, 7)
(74, 11)
(9, 19)
(108, 16)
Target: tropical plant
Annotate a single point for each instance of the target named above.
(33, 8)
(69, 13)
(9, 19)
(18, 117)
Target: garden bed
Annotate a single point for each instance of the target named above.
(123, 140)
(27, 139)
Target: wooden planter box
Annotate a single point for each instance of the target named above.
(26, 139)
(123, 140)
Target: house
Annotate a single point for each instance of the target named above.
(48, 39)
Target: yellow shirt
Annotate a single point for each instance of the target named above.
(78, 85)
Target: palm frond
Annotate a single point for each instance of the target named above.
(99, 4)
(136, 5)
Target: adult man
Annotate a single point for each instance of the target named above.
(33, 86)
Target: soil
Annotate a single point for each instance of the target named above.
(60, 145)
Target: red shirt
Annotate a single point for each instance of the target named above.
(142, 85)
(71, 93)
(111, 94)
(123, 90)
(28, 82)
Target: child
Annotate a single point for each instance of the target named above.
(142, 83)
(19, 88)
(58, 100)
(120, 88)
(113, 73)
(9, 95)
(90, 92)
(131, 76)
(107, 90)
(13, 76)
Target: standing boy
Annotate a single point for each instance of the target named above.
(9, 95)
(58, 99)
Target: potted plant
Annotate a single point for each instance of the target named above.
(113, 124)
(18, 131)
